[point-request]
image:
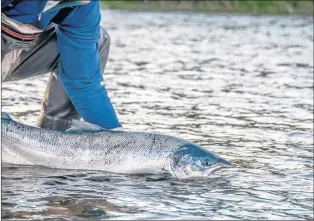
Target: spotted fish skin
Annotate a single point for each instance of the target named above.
(93, 148)
(112, 151)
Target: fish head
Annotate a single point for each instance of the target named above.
(192, 161)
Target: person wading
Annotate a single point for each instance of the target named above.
(65, 39)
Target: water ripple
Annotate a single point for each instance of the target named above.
(241, 86)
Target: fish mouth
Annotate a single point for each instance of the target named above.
(211, 170)
(221, 165)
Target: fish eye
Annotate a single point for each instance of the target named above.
(206, 162)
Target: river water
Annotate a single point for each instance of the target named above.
(241, 86)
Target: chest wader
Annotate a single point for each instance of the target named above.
(29, 52)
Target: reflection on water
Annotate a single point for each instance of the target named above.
(241, 86)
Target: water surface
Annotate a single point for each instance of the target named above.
(241, 86)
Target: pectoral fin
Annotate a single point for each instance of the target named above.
(83, 126)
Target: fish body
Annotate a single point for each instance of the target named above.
(126, 152)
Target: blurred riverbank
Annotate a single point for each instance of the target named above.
(235, 6)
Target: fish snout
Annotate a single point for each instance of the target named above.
(224, 163)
